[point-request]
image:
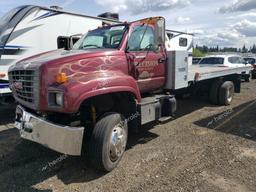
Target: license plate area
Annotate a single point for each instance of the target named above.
(38, 130)
(18, 118)
(23, 120)
(19, 114)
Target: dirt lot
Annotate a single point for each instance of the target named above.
(206, 148)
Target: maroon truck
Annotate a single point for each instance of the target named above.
(115, 77)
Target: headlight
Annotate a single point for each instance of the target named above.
(59, 99)
(55, 99)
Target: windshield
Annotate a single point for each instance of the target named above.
(105, 37)
(212, 61)
(236, 60)
(250, 60)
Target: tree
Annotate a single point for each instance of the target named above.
(253, 49)
(197, 53)
(244, 49)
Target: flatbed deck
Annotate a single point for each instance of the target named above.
(210, 72)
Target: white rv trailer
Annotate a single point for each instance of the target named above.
(180, 41)
(29, 30)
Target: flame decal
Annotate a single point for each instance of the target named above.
(78, 70)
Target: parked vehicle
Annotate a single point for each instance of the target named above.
(115, 77)
(231, 61)
(196, 60)
(252, 61)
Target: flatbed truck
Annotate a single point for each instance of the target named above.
(116, 77)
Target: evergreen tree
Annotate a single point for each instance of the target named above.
(253, 50)
(244, 49)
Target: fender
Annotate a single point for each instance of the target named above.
(105, 82)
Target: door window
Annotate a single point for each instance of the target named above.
(236, 60)
(183, 42)
(96, 41)
(211, 61)
(142, 38)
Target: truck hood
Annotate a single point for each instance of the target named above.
(91, 70)
(62, 56)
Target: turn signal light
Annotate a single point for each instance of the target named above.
(61, 78)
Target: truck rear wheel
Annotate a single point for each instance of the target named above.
(248, 77)
(108, 141)
(226, 93)
(253, 74)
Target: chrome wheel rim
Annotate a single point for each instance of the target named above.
(118, 141)
(229, 95)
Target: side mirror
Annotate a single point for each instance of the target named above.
(73, 39)
(160, 31)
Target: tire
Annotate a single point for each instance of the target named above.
(254, 75)
(248, 77)
(226, 93)
(108, 142)
(214, 92)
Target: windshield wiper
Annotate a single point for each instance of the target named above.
(91, 45)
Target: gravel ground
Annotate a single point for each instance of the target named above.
(206, 148)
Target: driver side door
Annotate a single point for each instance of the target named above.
(146, 58)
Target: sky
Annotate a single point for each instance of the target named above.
(224, 23)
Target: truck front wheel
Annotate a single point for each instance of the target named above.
(108, 141)
(226, 93)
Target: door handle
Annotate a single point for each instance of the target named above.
(162, 60)
(140, 57)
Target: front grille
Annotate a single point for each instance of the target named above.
(24, 84)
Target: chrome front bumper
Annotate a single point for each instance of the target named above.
(64, 139)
